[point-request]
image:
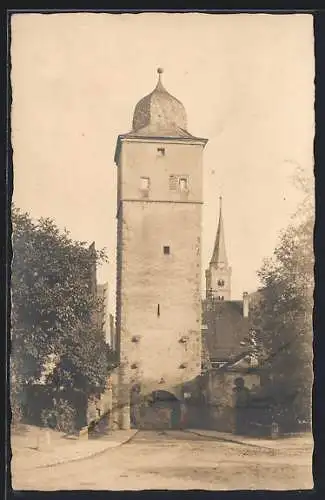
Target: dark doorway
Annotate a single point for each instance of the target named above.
(163, 411)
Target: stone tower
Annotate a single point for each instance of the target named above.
(159, 204)
(218, 275)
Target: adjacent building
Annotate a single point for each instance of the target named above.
(218, 274)
(227, 341)
(226, 322)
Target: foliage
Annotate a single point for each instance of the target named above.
(16, 389)
(254, 346)
(284, 314)
(54, 308)
(16, 408)
(60, 417)
(305, 184)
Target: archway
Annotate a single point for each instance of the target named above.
(162, 410)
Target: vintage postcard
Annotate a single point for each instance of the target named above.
(162, 273)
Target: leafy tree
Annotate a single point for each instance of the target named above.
(284, 312)
(255, 350)
(54, 306)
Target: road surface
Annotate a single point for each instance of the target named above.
(180, 460)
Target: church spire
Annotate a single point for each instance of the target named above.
(219, 255)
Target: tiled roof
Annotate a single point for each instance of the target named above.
(158, 130)
(159, 113)
(226, 328)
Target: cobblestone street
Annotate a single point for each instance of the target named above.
(182, 460)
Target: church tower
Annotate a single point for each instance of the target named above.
(218, 275)
(159, 205)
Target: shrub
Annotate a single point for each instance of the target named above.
(16, 411)
(60, 417)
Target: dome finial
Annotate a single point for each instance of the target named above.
(159, 83)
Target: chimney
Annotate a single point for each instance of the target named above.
(245, 305)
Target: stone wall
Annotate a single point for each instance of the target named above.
(160, 295)
(220, 404)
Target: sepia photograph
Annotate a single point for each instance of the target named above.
(162, 275)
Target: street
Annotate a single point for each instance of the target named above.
(182, 460)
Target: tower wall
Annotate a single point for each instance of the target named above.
(158, 293)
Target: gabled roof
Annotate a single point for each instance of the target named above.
(226, 328)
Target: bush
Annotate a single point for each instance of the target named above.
(16, 411)
(60, 417)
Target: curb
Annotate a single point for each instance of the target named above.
(226, 440)
(91, 455)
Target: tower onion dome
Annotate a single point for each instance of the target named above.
(160, 113)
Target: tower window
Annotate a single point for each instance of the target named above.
(178, 183)
(166, 250)
(173, 182)
(221, 283)
(161, 151)
(158, 310)
(144, 183)
(183, 184)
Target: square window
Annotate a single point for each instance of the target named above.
(161, 151)
(144, 183)
(166, 250)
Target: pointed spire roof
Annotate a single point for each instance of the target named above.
(219, 255)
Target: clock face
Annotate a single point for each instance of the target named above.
(221, 283)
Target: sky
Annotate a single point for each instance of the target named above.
(247, 84)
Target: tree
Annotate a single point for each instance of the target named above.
(284, 312)
(53, 309)
(254, 346)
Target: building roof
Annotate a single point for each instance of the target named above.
(219, 255)
(256, 297)
(158, 116)
(241, 363)
(226, 327)
(160, 113)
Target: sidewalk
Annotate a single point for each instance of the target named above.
(303, 441)
(38, 448)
